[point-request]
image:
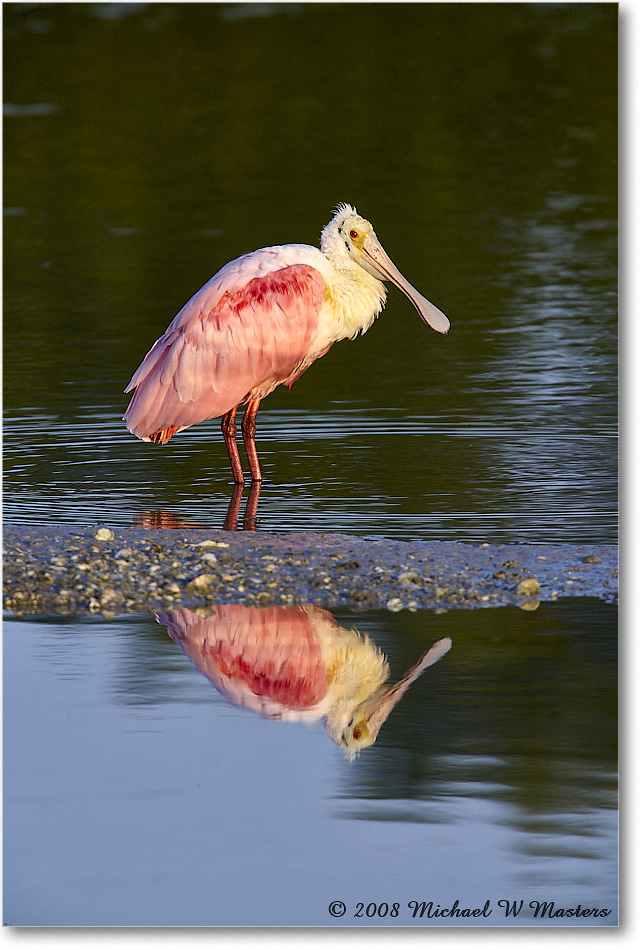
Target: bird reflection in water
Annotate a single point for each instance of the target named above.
(165, 519)
(296, 664)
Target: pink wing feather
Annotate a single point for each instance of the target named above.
(242, 334)
(265, 659)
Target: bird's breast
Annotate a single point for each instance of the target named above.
(352, 303)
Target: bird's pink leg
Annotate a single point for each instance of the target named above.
(249, 520)
(249, 430)
(232, 517)
(228, 427)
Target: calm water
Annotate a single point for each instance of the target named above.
(148, 144)
(148, 798)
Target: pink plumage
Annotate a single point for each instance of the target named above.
(218, 354)
(266, 659)
(260, 322)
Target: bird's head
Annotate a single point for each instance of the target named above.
(368, 718)
(358, 734)
(349, 237)
(346, 235)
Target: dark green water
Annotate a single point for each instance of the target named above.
(148, 144)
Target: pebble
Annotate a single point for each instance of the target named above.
(67, 570)
(104, 534)
(202, 581)
(528, 587)
(409, 577)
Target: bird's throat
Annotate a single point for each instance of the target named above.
(354, 298)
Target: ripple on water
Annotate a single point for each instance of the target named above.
(349, 470)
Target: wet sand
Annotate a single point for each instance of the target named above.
(112, 571)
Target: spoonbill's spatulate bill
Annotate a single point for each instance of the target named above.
(260, 322)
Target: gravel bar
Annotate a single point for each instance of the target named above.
(113, 571)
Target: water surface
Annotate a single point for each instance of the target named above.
(145, 146)
(147, 798)
(148, 144)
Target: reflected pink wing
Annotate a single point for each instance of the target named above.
(255, 656)
(244, 329)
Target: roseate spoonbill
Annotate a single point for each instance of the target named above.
(260, 322)
(296, 663)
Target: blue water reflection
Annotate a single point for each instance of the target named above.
(147, 798)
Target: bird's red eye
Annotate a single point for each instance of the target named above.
(354, 234)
